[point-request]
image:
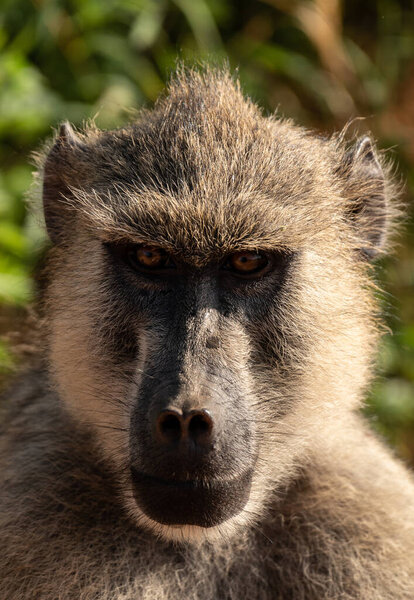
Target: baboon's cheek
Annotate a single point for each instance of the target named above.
(201, 503)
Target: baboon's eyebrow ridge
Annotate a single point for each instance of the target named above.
(199, 227)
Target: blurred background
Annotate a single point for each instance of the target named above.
(322, 62)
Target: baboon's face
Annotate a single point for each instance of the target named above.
(193, 424)
(173, 365)
(209, 327)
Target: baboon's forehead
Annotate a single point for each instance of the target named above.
(206, 172)
(209, 225)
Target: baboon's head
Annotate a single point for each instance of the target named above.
(209, 311)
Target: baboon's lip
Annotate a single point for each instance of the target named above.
(205, 503)
(188, 484)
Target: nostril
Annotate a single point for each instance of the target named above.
(169, 426)
(200, 426)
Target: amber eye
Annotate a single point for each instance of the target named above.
(247, 263)
(149, 257)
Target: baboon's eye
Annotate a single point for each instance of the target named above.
(247, 263)
(149, 257)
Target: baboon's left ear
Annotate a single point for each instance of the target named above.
(367, 202)
(63, 168)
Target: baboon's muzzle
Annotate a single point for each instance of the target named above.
(192, 429)
(190, 465)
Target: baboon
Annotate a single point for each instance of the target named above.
(189, 425)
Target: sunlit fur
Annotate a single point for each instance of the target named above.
(331, 512)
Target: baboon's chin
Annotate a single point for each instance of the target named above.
(204, 504)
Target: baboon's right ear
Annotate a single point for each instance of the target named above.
(367, 202)
(60, 172)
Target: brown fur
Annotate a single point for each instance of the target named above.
(331, 512)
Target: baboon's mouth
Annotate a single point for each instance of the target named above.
(193, 502)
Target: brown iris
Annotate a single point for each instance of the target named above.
(150, 257)
(147, 257)
(247, 263)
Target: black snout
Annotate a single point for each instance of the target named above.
(173, 426)
(192, 455)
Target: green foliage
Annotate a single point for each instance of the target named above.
(322, 64)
